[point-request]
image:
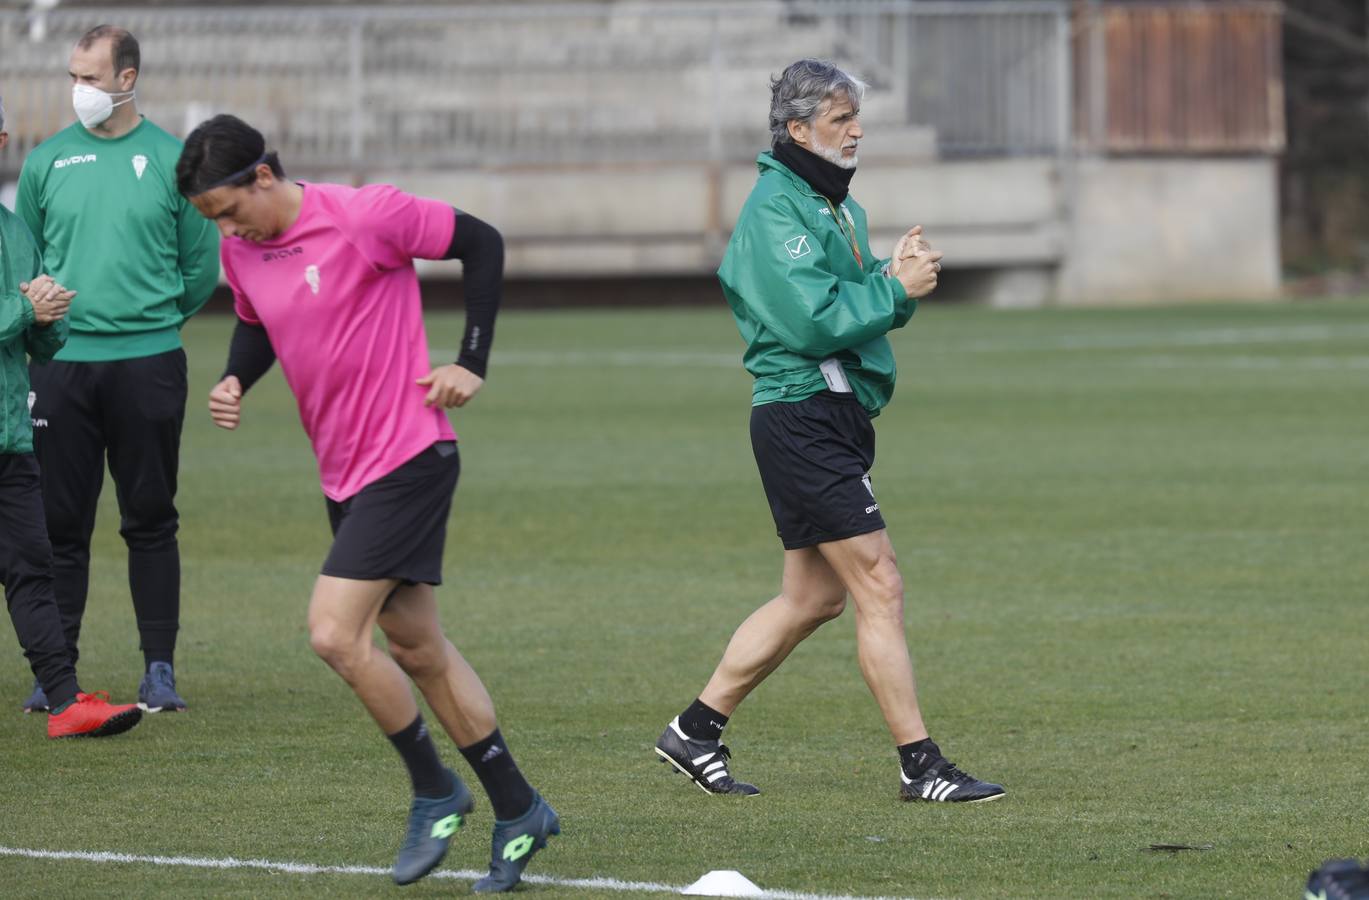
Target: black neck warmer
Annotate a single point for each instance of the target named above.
(832, 181)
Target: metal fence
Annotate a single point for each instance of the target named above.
(359, 88)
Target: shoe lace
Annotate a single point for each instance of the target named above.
(93, 697)
(950, 772)
(162, 677)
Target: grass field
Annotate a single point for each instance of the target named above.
(1134, 543)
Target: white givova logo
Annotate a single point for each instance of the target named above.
(36, 423)
(311, 277)
(139, 165)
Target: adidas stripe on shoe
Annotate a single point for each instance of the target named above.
(705, 762)
(942, 782)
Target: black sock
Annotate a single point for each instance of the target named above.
(510, 793)
(702, 722)
(917, 756)
(152, 656)
(430, 778)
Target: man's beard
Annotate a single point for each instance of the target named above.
(833, 154)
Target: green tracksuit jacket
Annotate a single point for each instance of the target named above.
(800, 296)
(20, 338)
(111, 226)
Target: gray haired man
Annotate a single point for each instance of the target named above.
(815, 306)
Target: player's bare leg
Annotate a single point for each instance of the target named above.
(811, 593)
(867, 566)
(523, 820)
(342, 614)
(452, 688)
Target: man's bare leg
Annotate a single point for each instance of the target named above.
(868, 568)
(456, 694)
(810, 594)
(342, 613)
(453, 690)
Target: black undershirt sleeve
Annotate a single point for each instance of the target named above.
(480, 248)
(250, 354)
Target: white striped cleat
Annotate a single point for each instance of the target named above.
(942, 782)
(704, 762)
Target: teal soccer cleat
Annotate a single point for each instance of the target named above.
(432, 824)
(514, 844)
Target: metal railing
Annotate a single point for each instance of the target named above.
(362, 88)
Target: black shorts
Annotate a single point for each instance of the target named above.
(396, 527)
(814, 458)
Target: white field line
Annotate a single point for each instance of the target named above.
(1202, 337)
(1121, 340)
(294, 868)
(1311, 363)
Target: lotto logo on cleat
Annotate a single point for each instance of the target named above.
(518, 848)
(445, 828)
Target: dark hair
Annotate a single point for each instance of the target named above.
(125, 46)
(223, 152)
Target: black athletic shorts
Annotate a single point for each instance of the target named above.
(396, 527)
(815, 457)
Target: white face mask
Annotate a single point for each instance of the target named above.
(93, 106)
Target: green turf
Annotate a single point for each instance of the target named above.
(1134, 544)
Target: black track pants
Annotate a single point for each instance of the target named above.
(26, 573)
(129, 412)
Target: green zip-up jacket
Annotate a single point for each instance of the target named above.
(800, 296)
(111, 226)
(20, 337)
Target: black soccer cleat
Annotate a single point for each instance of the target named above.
(942, 782)
(705, 762)
(1338, 879)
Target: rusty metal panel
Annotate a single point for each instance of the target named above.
(1179, 78)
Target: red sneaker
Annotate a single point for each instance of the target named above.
(92, 715)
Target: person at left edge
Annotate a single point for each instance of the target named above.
(323, 278)
(33, 310)
(100, 198)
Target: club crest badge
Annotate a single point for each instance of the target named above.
(139, 165)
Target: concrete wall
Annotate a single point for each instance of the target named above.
(1035, 231)
(675, 220)
(1182, 228)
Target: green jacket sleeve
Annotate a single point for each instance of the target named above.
(27, 206)
(43, 341)
(784, 278)
(19, 264)
(199, 257)
(16, 313)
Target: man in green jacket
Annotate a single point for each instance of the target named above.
(100, 198)
(33, 324)
(814, 307)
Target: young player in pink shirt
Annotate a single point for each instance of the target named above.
(323, 279)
